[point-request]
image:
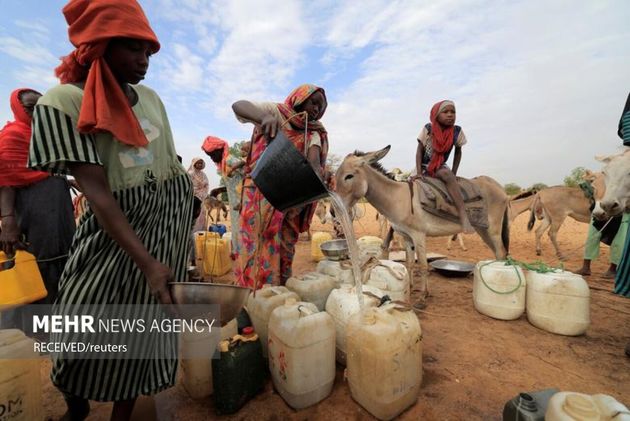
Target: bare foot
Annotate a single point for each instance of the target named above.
(419, 305)
(584, 272)
(609, 274)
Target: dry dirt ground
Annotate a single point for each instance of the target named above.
(472, 364)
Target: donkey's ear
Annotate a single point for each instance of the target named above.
(373, 157)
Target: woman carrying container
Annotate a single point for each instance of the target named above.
(33, 205)
(268, 236)
(116, 140)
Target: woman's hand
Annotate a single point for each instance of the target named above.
(158, 276)
(10, 236)
(269, 126)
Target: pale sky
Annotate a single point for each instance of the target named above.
(539, 85)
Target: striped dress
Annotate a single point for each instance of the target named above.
(155, 194)
(622, 280)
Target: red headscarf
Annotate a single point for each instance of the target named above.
(92, 23)
(442, 137)
(212, 144)
(15, 139)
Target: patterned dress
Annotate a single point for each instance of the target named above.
(155, 194)
(268, 236)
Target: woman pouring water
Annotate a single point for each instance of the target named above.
(268, 236)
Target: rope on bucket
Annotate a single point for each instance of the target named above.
(537, 266)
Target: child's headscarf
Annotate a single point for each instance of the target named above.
(15, 139)
(211, 144)
(92, 23)
(442, 137)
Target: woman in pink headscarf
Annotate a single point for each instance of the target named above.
(268, 236)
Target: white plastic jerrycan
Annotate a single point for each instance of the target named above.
(391, 278)
(197, 372)
(370, 246)
(342, 304)
(313, 287)
(499, 290)
(261, 304)
(301, 350)
(570, 406)
(558, 302)
(384, 359)
(20, 381)
(341, 271)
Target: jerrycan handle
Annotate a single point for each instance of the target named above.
(7, 264)
(390, 306)
(226, 344)
(276, 290)
(304, 310)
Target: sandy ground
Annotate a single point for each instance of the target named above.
(472, 364)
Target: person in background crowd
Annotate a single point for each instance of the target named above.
(36, 208)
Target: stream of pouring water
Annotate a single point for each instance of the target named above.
(353, 247)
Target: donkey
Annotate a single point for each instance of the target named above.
(617, 179)
(360, 175)
(552, 205)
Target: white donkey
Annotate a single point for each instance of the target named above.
(616, 200)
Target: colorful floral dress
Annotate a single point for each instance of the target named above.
(268, 236)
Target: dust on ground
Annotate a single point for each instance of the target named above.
(472, 364)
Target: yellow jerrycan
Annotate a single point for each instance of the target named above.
(20, 280)
(213, 253)
(317, 239)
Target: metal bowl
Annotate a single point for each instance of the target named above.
(229, 298)
(335, 249)
(452, 268)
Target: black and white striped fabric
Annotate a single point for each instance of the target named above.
(99, 272)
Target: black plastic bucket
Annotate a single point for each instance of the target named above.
(285, 177)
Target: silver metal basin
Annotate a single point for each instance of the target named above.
(335, 249)
(229, 298)
(452, 268)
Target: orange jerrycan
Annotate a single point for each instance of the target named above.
(20, 280)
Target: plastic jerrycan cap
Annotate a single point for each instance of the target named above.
(249, 330)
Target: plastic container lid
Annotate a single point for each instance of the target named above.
(248, 330)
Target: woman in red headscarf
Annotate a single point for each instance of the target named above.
(33, 205)
(435, 143)
(230, 169)
(268, 236)
(114, 136)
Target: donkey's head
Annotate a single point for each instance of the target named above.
(617, 179)
(351, 181)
